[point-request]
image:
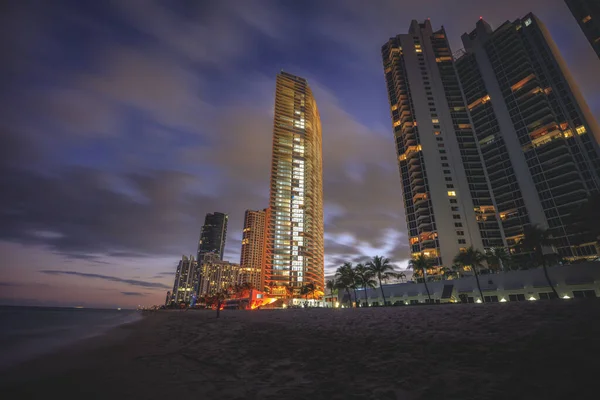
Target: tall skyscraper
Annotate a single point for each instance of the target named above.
(186, 280)
(213, 235)
(490, 142)
(294, 252)
(253, 248)
(442, 176)
(587, 14)
(537, 136)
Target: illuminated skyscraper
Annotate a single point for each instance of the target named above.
(587, 14)
(216, 275)
(253, 248)
(186, 280)
(294, 252)
(536, 134)
(213, 235)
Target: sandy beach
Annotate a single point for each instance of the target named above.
(492, 351)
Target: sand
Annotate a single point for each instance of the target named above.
(534, 350)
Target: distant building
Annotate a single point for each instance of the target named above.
(295, 254)
(213, 235)
(253, 249)
(168, 299)
(587, 14)
(186, 280)
(216, 275)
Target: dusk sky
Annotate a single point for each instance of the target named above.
(124, 122)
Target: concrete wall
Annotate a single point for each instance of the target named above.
(530, 283)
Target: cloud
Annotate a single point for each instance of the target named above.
(132, 282)
(133, 294)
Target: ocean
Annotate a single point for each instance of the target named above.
(27, 332)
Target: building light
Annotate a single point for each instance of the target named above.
(435, 121)
(586, 19)
(451, 193)
(503, 300)
(581, 130)
(566, 297)
(418, 51)
(394, 107)
(478, 301)
(528, 22)
(522, 82)
(531, 298)
(568, 133)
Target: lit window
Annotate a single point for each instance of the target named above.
(581, 130)
(586, 19)
(528, 22)
(451, 193)
(435, 121)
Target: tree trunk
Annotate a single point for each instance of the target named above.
(349, 295)
(366, 298)
(478, 285)
(355, 298)
(218, 308)
(549, 281)
(427, 288)
(381, 287)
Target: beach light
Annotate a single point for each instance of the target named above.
(478, 301)
(337, 304)
(503, 300)
(566, 297)
(532, 298)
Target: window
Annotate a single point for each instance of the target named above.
(439, 139)
(462, 241)
(443, 157)
(580, 294)
(453, 201)
(455, 216)
(450, 186)
(460, 233)
(437, 133)
(454, 208)
(548, 296)
(446, 171)
(580, 130)
(451, 193)
(448, 179)
(445, 164)
(442, 151)
(490, 299)
(586, 19)
(528, 22)
(440, 144)
(516, 297)
(458, 224)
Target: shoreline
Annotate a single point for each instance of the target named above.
(462, 352)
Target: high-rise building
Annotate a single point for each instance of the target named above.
(440, 167)
(587, 14)
(186, 280)
(216, 275)
(253, 248)
(213, 235)
(537, 136)
(294, 251)
(491, 142)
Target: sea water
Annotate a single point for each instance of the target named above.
(27, 332)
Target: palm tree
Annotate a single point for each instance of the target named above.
(534, 240)
(420, 264)
(402, 276)
(498, 257)
(331, 284)
(383, 270)
(473, 258)
(448, 273)
(345, 279)
(307, 289)
(364, 277)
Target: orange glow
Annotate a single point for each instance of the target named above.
(522, 82)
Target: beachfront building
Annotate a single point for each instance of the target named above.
(186, 280)
(536, 135)
(489, 140)
(587, 15)
(440, 168)
(213, 235)
(294, 243)
(216, 275)
(253, 249)
(570, 281)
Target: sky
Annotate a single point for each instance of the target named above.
(122, 123)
